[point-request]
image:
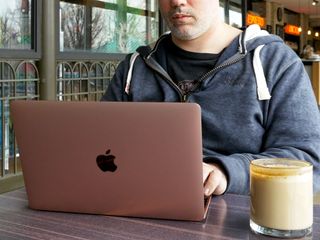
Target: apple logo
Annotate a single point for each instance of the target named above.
(106, 162)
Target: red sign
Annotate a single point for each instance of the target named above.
(292, 29)
(253, 19)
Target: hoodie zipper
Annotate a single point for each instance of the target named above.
(214, 70)
(153, 64)
(184, 97)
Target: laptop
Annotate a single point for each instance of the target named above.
(112, 158)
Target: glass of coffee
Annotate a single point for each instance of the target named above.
(281, 197)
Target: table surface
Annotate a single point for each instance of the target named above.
(228, 218)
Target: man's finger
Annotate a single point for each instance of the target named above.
(216, 183)
(211, 184)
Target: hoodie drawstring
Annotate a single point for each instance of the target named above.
(129, 76)
(262, 88)
(252, 32)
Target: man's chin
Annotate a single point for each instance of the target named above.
(184, 35)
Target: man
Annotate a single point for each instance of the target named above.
(255, 96)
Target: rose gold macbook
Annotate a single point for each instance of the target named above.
(112, 158)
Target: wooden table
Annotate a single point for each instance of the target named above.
(315, 80)
(228, 218)
(313, 69)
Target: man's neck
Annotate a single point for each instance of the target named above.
(213, 41)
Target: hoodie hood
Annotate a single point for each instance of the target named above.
(252, 39)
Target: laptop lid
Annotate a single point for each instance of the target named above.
(112, 158)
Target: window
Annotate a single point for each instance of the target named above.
(231, 12)
(19, 78)
(20, 29)
(15, 24)
(221, 9)
(235, 15)
(112, 26)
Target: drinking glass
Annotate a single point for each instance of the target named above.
(281, 197)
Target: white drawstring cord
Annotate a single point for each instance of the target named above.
(129, 76)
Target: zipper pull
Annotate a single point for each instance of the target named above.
(184, 98)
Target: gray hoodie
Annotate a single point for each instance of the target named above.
(256, 103)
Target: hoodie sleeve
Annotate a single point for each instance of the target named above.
(292, 122)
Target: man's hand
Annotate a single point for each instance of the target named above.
(216, 182)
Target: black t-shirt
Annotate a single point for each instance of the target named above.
(185, 67)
